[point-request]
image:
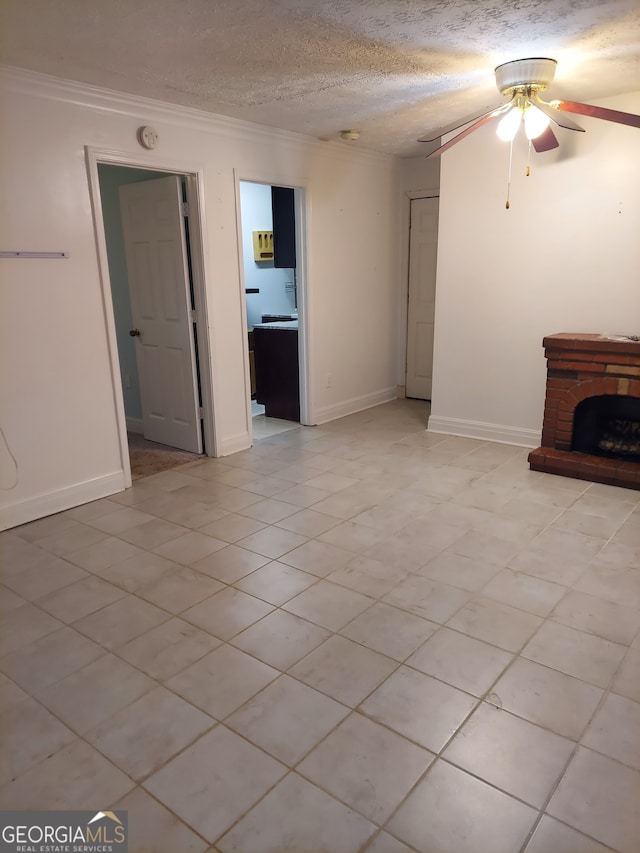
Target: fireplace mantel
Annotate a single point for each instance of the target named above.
(580, 366)
(621, 344)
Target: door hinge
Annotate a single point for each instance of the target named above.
(185, 208)
(193, 316)
(200, 412)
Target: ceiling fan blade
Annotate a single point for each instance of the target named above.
(546, 141)
(554, 115)
(597, 112)
(475, 126)
(443, 131)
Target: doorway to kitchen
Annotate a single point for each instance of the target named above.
(269, 217)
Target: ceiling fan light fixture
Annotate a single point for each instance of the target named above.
(535, 122)
(522, 81)
(508, 125)
(535, 73)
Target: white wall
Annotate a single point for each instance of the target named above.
(57, 406)
(417, 174)
(564, 258)
(273, 296)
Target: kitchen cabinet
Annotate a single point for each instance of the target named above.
(284, 227)
(277, 370)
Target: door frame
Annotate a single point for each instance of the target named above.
(194, 177)
(301, 203)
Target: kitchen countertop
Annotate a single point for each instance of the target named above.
(280, 324)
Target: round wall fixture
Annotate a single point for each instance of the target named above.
(147, 136)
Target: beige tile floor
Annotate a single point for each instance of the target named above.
(264, 427)
(359, 636)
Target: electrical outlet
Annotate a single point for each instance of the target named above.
(329, 382)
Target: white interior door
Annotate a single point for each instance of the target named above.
(423, 244)
(155, 245)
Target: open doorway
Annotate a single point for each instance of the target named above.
(272, 302)
(146, 222)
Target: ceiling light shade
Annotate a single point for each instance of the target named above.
(535, 122)
(533, 73)
(509, 124)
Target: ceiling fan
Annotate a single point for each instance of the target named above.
(522, 81)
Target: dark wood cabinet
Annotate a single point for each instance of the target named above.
(276, 365)
(284, 227)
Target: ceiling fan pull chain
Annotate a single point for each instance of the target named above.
(508, 204)
(528, 169)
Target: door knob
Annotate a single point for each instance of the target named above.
(135, 333)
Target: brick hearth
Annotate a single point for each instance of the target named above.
(579, 367)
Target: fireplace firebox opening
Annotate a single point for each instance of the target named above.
(608, 425)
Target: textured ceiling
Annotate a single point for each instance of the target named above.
(393, 69)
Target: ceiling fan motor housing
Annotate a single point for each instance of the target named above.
(535, 73)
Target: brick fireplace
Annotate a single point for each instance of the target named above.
(592, 380)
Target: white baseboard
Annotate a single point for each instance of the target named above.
(355, 404)
(61, 499)
(135, 425)
(236, 443)
(486, 432)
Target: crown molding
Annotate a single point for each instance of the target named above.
(35, 84)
